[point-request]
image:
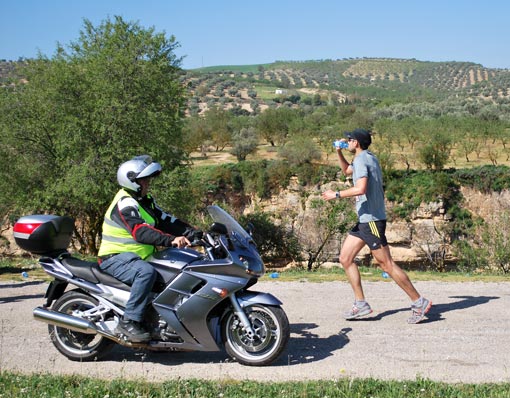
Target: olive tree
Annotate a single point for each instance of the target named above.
(273, 124)
(300, 149)
(218, 122)
(111, 94)
(197, 134)
(435, 151)
(245, 142)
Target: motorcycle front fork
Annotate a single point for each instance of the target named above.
(242, 316)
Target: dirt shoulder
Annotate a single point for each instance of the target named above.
(463, 340)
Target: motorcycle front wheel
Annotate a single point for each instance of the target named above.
(75, 345)
(272, 331)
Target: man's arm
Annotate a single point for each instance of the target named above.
(360, 188)
(171, 224)
(344, 164)
(126, 213)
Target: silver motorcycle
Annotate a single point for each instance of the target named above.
(201, 300)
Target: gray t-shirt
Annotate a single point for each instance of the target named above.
(370, 207)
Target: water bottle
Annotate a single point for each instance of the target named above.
(340, 144)
(274, 275)
(385, 275)
(24, 275)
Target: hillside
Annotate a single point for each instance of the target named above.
(252, 88)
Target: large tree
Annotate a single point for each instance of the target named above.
(112, 94)
(273, 124)
(245, 142)
(218, 122)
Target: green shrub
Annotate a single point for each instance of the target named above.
(408, 190)
(274, 242)
(485, 178)
(263, 177)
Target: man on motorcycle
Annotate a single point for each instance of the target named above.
(133, 226)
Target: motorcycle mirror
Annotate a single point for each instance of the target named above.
(219, 228)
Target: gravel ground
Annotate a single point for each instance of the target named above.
(465, 338)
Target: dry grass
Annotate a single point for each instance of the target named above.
(264, 151)
(500, 156)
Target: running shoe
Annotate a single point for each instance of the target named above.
(359, 309)
(419, 311)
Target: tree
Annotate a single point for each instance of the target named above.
(244, 143)
(112, 94)
(196, 133)
(329, 220)
(218, 122)
(496, 239)
(273, 124)
(317, 100)
(435, 153)
(467, 146)
(300, 149)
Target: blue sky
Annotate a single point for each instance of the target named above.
(225, 32)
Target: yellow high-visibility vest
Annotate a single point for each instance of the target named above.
(117, 239)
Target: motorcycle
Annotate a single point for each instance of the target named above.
(201, 300)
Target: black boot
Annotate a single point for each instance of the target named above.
(132, 330)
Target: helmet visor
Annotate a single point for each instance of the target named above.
(152, 170)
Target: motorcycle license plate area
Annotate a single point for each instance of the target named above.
(40, 234)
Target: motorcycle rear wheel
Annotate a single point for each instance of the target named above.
(272, 331)
(75, 345)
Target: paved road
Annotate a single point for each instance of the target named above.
(465, 339)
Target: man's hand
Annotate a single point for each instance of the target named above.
(329, 194)
(181, 242)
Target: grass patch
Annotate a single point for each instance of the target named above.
(374, 274)
(16, 385)
(12, 268)
(265, 92)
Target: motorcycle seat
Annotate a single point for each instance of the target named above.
(90, 271)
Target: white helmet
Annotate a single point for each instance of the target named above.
(138, 167)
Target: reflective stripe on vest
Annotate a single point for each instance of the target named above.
(117, 239)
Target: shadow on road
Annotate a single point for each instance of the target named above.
(437, 310)
(13, 299)
(307, 347)
(464, 302)
(20, 284)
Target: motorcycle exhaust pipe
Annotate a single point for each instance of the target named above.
(78, 325)
(65, 321)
